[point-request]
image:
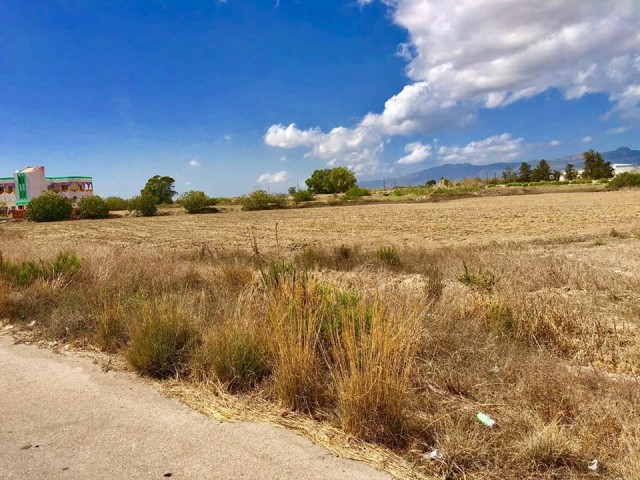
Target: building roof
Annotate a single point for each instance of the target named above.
(70, 177)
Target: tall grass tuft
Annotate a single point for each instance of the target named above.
(235, 354)
(374, 360)
(162, 340)
(295, 313)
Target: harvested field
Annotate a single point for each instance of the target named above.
(458, 222)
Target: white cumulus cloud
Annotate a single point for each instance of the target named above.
(416, 153)
(269, 178)
(587, 139)
(555, 143)
(498, 148)
(466, 55)
(194, 163)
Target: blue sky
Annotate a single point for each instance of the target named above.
(228, 96)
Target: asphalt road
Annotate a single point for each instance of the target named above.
(62, 417)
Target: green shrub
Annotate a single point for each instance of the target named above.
(145, 204)
(115, 204)
(403, 191)
(303, 196)
(161, 342)
(194, 201)
(92, 207)
(49, 207)
(261, 200)
(357, 192)
(25, 273)
(625, 180)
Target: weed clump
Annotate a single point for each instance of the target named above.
(389, 257)
(481, 279)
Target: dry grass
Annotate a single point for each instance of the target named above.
(394, 347)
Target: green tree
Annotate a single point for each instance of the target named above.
(49, 207)
(92, 207)
(161, 188)
(194, 201)
(145, 204)
(331, 180)
(542, 172)
(570, 172)
(292, 190)
(524, 172)
(509, 175)
(595, 167)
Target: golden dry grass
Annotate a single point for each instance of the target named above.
(388, 332)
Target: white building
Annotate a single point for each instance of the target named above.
(16, 192)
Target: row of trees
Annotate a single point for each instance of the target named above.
(595, 168)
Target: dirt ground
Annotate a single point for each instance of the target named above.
(457, 222)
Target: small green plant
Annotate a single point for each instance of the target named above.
(49, 207)
(357, 192)
(277, 272)
(93, 207)
(482, 278)
(389, 257)
(66, 263)
(499, 318)
(144, 204)
(598, 242)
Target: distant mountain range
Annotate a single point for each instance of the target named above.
(458, 171)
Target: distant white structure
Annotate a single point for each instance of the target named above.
(619, 168)
(16, 192)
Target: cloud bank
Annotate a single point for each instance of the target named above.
(463, 56)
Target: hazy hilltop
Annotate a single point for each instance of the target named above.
(459, 171)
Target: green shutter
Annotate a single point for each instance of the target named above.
(22, 189)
